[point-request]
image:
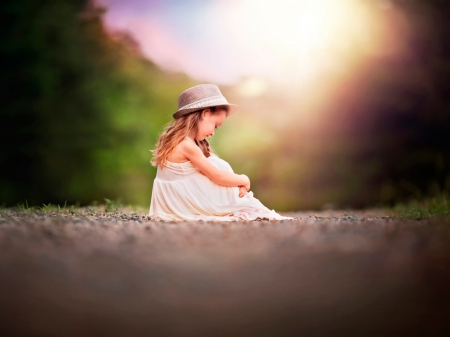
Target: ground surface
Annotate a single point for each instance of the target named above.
(83, 273)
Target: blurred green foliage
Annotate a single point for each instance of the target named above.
(80, 110)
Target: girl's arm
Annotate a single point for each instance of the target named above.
(198, 159)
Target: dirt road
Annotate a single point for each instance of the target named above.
(88, 273)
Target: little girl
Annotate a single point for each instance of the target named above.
(191, 182)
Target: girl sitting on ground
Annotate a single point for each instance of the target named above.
(191, 182)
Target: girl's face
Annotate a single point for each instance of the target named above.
(209, 122)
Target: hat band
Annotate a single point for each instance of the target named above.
(210, 101)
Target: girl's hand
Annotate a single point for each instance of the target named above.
(242, 191)
(247, 184)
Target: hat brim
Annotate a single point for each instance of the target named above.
(233, 109)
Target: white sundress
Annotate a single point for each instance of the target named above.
(181, 192)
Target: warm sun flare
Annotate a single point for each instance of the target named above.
(302, 38)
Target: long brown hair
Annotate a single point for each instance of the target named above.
(176, 131)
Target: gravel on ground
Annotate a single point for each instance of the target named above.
(88, 272)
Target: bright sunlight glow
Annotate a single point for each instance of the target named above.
(265, 43)
(300, 39)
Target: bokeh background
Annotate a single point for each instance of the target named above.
(343, 103)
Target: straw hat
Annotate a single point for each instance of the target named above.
(201, 96)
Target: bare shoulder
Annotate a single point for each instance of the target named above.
(187, 142)
(188, 146)
(181, 152)
(184, 151)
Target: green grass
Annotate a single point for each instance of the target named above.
(24, 207)
(49, 208)
(108, 206)
(112, 205)
(429, 207)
